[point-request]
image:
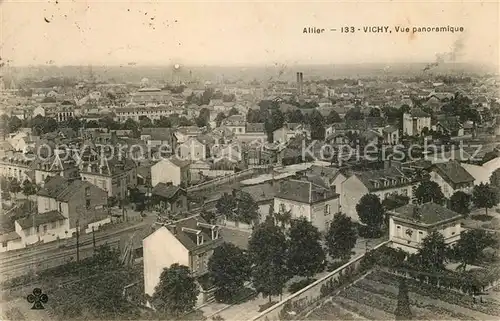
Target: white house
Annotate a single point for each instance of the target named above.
(170, 170)
(451, 177)
(415, 121)
(410, 224)
(314, 201)
(189, 242)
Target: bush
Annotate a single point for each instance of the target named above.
(297, 286)
(366, 232)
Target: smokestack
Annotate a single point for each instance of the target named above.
(300, 79)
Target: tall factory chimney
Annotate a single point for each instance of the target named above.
(300, 79)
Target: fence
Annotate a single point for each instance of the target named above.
(311, 293)
(222, 180)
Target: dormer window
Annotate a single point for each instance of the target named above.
(199, 239)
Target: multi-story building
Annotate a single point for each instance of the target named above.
(83, 204)
(312, 200)
(190, 242)
(55, 166)
(451, 177)
(411, 223)
(383, 183)
(171, 170)
(18, 166)
(415, 121)
(135, 113)
(113, 176)
(192, 149)
(235, 123)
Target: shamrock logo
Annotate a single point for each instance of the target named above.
(38, 299)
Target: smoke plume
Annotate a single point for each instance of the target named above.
(451, 56)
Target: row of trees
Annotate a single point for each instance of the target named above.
(13, 186)
(372, 211)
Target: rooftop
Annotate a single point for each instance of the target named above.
(304, 191)
(428, 213)
(454, 172)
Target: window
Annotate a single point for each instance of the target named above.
(45, 229)
(87, 204)
(87, 191)
(54, 225)
(327, 209)
(4, 244)
(38, 229)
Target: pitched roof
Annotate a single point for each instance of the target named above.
(179, 162)
(453, 171)
(9, 237)
(450, 123)
(389, 129)
(185, 231)
(254, 127)
(63, 189)
(417, 112)
(386, 178)
(39, 219)
(165, 190)
(428, 213)
(303, 191)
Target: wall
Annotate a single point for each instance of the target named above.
(222, 180)
(297, 209)
(319, 218)
(161, 250)
(97, 224)
(311, 292)
(164, 172)
(12, 245)
(351, 192)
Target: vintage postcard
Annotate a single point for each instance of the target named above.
(249, 161)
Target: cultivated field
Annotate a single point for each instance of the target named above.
(375, 298)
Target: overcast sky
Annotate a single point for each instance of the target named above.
(216, 33)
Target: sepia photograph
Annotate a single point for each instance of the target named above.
(249, 160)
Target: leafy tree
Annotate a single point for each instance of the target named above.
(470, 245)
(305, 254)
(14, 124)
(233, 111)
(341, 236)
(484, 196)
(75, 124)
(203, 118)
(247, 210)
(225, 205)
(432, 254)
(354, 114)
(370, 211)
(392, 114)
(219, 118)
(208, 216)
(333, 117)
(374, 112)
(29, 188)
(395, 201)
(460, 202)
(255, 116)
(228, 98)
(130, 124)
(145, 121)
(163, 122)
(267, 252)
(317, 121)
(495, 179)
(176, 292)
(429, 191)
(405, 109)
(294, 116)
(15, 186)
(229, 268)
(403, 311)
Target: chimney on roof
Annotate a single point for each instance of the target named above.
(417, 214)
